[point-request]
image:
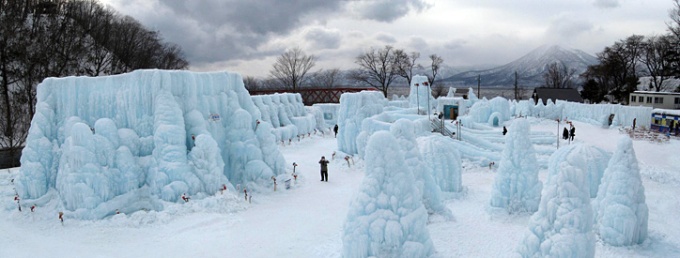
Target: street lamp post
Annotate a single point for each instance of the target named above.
(418, 98)
(558, 133)
(428, 99)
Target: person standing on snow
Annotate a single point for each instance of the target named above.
(565, 133)
(185, 197)
(324, 168)
(505, 130)
(335, 129)
(572, 132)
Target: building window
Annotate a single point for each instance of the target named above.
(632, 99)
(658, 100)
(649, 99)
(677, 100)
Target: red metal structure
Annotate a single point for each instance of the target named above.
(312, 96)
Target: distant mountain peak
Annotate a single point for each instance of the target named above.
(530, 68)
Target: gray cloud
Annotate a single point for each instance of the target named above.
(323, 38)
(564, 28)
(606, 3)
(418, 43)
(389, 39)
(387, 10)
(222, 30)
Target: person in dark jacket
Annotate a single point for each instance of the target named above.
(324, 168)
(565, 134)
(505, 130)
(572, 132)
(335, 129)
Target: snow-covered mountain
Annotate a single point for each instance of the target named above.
(530, 68)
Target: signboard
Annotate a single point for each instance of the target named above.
(215, 117)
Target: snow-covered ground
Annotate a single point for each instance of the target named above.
(307, 220)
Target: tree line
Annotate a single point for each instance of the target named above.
(378, 68)
(58, 38)
(623, 63)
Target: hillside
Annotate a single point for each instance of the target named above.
(529, 67)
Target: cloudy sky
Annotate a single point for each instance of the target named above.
(246, 36)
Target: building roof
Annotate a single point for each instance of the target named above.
(656, 93)
(566, 94)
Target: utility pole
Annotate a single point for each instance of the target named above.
(479, 81)
(516, 89)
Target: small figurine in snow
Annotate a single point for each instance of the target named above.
(185, 197)
(274, 179)
(294, 174)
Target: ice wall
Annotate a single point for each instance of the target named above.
(516, 187)
(147, 135)
(484, 111)
(330, 114)
(596, 114)
(387, 217)
(354, 108)
(287, 114)
(458, 101)
(621, 210)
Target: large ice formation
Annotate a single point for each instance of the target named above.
(404, 132)
(590, 159)
(387, 217)
(354, 107)
(620, 206)
(562, 226)
(420, 95)
(516, 187)
(443, 158)
(127, 140)
(287, 114)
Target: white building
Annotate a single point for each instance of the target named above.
(662, 100)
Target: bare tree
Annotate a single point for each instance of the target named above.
(57, 38)
(655, 57)
(558, 75)
(292, 66)
(251, 83)
(325, 78)
(405, 63)
(435, 64)
(376, 68)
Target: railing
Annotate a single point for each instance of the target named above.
(314, 95)
(438, 126)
